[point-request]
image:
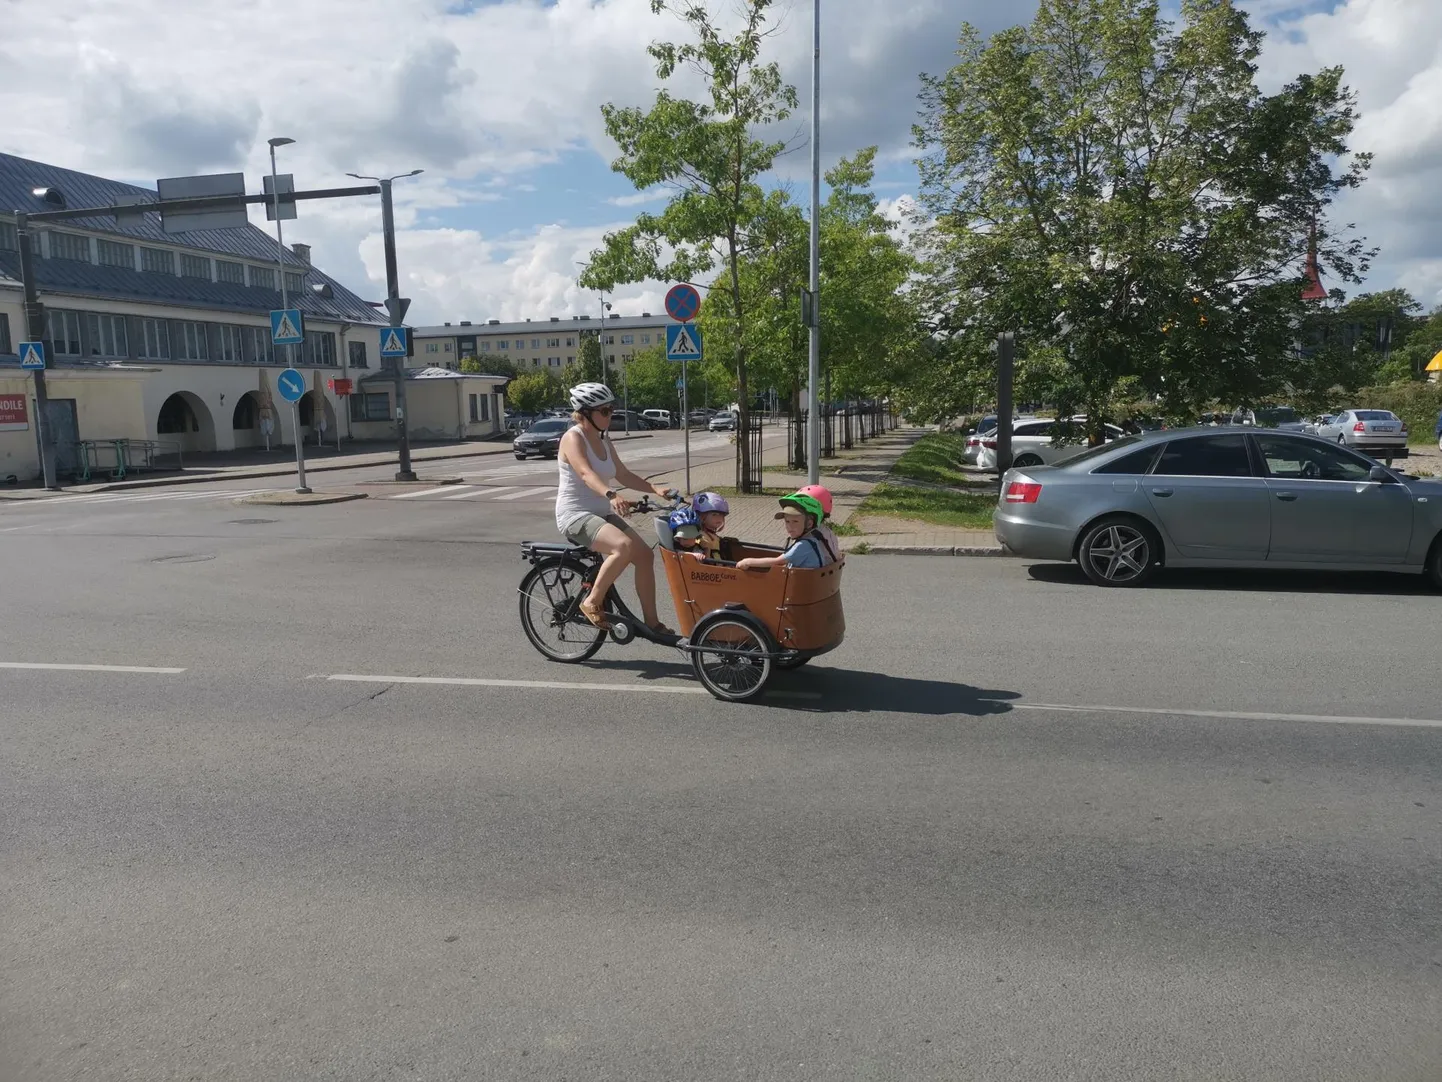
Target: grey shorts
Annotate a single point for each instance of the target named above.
(584, 530)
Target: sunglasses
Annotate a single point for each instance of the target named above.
(604, 411)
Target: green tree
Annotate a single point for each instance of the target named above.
(1354, 345)
(710, 156)
(531, 392)
(650, 380)
(588, 358)
(1116, 188)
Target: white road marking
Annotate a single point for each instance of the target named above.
(12, 529)
(487, 682)
(1231, 715)
(89, 668)
(525, 492)
(470, 490)
(424, 492)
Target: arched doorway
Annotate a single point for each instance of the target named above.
(185, 419)
(317, 417)
(245, 420)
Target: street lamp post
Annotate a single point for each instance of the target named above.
(813, 364)
(281, 141)
(396, 306)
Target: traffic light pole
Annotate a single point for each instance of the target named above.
(35, 332)
(397, 313)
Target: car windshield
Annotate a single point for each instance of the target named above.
(1095, 452)
(546, 427)
(1278, 415)
(1374, 415)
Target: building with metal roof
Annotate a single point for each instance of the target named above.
(165, 337)
(538, 343)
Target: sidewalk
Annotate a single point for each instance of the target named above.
(280, 462)
(850, 476)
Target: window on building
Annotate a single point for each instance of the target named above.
(153, 340)
(189, 342)
(194, 266)
(628, 339)
(645, 339)
(485, 347)
(106, 336)
(480, 407)
(64, 331)
(70, 246)
(157, 260)
(233, 273)
(433, 347)
(571, 341)
(571, 360)
(448, 346)
(610, 339)
(228, 344)
(9, 238)
(262, 277)
(294, 283)
(358, 358)
(257, 345)
(320, 348)
(370, 406)
(109, 253)
(535, 343)
(503, 345)
(6, 345)
(552, 343)
(520, 343)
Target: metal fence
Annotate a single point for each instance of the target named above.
(751, 435)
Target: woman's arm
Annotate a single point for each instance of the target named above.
(574, 452)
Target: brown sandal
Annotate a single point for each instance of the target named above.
(595, 616)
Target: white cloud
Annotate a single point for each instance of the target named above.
(654, 195)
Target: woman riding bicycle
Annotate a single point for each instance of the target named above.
(589, 510)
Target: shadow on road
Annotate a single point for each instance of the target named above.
(820, 689)
(1260, 581)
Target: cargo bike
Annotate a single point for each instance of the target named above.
(736, 626)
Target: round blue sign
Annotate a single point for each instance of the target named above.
(683, 302)
(291, 385)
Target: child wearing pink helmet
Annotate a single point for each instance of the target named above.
(822, 495)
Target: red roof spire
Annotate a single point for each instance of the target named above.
(1314, 290)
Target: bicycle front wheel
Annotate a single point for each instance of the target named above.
(550, 612)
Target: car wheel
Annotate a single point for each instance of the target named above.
(1026, 460)
(520, 458)
(1119, 551)
(1433, 567)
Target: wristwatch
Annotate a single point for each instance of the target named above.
(610, 493)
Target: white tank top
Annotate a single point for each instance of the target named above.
(574, 498)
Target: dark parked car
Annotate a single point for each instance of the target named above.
(542, 439)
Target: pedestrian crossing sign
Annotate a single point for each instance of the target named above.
(683, 342)
(287, 327)
(395, 341)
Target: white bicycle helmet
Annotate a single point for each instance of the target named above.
(587, 396)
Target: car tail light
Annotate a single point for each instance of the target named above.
(1022, 492)
(1360, 426)
(1404, 428)
(989, 443)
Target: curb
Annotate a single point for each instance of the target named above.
(299, 499)
(933, 550)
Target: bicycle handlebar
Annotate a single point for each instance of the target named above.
(645, 506)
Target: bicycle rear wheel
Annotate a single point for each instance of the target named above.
(550, 612)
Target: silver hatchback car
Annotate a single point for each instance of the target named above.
(1206, 497)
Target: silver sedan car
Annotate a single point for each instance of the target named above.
(1378, 433)
(1205, 497)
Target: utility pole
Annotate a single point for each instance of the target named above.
(813, 365)
(396, 306)
(300, 486)
(35, 331)
(1005, 356)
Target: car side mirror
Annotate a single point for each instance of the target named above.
(1381, 474)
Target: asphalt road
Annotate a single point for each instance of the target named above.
(1014, 828)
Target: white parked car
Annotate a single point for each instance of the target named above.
(1378, 433)
(1032, 443)
(658, 418)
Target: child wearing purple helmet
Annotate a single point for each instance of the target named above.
(712, 510)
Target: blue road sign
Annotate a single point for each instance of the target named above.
(683, 302)
(287, 327)
(395, 341)
(32, 355)
(683, 343)
(291, 385)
